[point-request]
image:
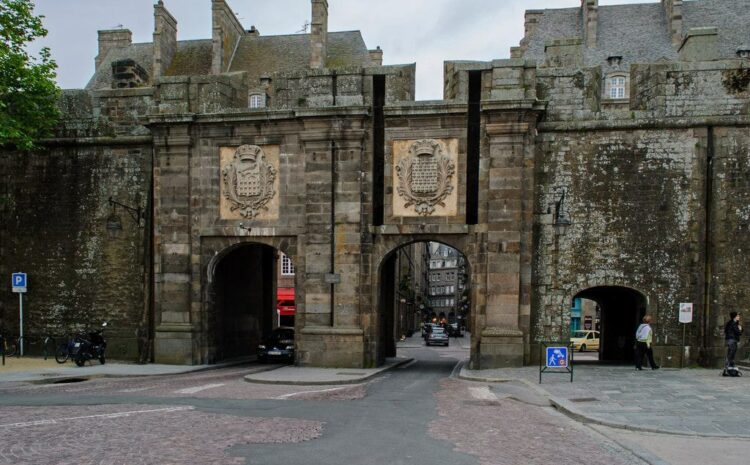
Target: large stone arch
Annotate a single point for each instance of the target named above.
(216, 249)
(384, 248)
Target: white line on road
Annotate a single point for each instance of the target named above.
(137, 389)
(482, 393)
(101, 415)
(287, 396)
(406, 365)
(195, 389)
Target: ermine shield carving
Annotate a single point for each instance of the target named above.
(248, 181)
(424, 176)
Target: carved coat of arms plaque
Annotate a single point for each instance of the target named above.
(249, 181)
(425, 176)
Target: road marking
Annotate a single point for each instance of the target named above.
(287, 396)
(137, 389)
(406, 365)
(195, 389)
(457, 368)
(482, 393)
(101, 415)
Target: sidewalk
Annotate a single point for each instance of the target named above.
(35, 370)
(32, 369)
(694, 402)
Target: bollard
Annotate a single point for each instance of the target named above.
(2, 347)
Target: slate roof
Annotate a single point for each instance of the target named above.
(285, 53)
(638, 32)
(256, 55)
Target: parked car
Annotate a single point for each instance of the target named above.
(438, 335)
(584, 340)
(278, 345)
(454, 330)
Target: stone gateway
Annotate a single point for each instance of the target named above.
(607, 159)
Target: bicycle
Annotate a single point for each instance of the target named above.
(9, 346)
(45, 344)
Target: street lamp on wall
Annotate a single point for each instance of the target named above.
(561, 221)
(114, 224)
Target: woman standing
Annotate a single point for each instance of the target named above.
(644, 337)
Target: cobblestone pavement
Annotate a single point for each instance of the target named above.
(509, 432)
(136, 434)
(418, 413)
(688, 401)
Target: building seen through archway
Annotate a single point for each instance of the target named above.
(422, 283)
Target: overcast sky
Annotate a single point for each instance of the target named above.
(427, 32)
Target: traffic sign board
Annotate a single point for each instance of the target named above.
(557, 357)
(19, 282)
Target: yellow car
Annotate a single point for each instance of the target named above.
(585, 340)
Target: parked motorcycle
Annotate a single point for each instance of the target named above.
(88, 346)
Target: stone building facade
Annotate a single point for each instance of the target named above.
(607, 159)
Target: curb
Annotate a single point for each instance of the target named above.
(326, 383)
(88, 377)
(581, 417)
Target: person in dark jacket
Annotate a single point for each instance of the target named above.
(732, 333)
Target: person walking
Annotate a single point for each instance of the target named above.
(732, 333)
(644, 337)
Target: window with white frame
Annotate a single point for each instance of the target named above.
(287, 268)
(257, 101)
(617, 87)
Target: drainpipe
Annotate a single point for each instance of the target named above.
(334, 180)
(707, 244)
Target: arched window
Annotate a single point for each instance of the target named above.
(287, 268)
(257, 101)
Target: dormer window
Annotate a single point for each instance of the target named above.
(257, 101)
(743, 53)
(616, 87)
(614, 60)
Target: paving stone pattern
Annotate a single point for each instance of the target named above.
(147, 435)
(688, 401)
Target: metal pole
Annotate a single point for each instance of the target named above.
(682, 357)
(20, 325)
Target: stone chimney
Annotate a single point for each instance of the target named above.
(319, 34)
(226, 35)
(531, 20)
(590, 11)
(165, 39)
(700, 44)
(673, 10)
(115, 38)
(376, 56)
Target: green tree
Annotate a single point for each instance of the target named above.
(28, 93)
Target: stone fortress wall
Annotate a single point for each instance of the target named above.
(655, 186)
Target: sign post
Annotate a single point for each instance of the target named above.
(686, 316)
(19, 283)
(555, 358)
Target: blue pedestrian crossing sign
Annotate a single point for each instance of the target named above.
(557, 357)
(19, 282)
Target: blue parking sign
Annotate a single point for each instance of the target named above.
(557, 357)
(18, 282)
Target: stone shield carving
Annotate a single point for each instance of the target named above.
(424, 176)
(249, 181)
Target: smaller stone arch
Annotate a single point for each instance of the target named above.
(214, 254)
(621, 306)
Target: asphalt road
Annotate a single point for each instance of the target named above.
(415, 414)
